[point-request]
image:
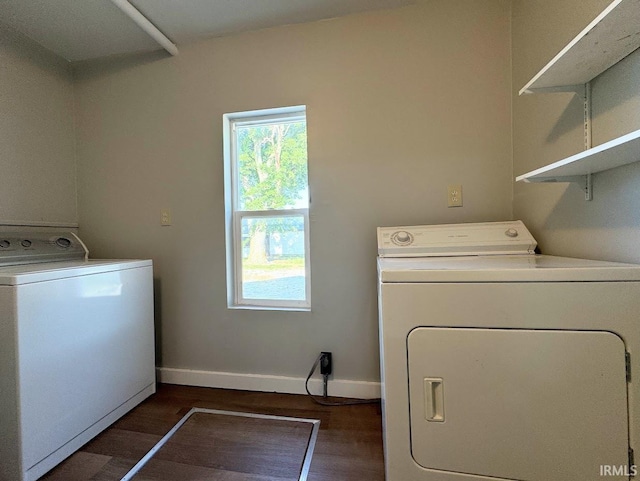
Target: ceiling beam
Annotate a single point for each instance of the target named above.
(143, 22)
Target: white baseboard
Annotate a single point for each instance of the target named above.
(261, 382)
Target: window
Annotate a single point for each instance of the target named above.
(267, 208)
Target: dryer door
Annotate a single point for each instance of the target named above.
(531, 405)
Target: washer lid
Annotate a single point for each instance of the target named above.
(49, 271)
(489, 238)
(514, 268)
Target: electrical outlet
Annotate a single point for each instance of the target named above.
(454, 195)
(165, 217)
(326, 363)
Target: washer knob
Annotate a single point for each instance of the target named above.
(63, 242)
(511, 232)
(5, 243)
(25, 243)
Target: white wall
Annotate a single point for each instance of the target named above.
(400, 103)
(37, 144)
(549, 127)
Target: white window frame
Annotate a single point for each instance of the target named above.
(234, 216)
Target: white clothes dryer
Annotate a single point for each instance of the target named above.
(501, 364)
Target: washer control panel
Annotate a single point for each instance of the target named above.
(455, 240)
(32, 247)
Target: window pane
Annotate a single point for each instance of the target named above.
(273, 258)
(272, 166)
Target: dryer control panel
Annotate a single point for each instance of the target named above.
(489, 238)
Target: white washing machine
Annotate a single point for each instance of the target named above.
(76, 348)
(500, 364)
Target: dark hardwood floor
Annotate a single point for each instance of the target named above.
(349, 444)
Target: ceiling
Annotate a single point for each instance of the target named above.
(85, 29)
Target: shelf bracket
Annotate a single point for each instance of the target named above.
(582, 181)
(586, 99)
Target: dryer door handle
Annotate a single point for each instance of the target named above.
(434, 399)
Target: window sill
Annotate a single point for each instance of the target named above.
(270, 308)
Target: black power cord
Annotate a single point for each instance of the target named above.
(326, 379)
